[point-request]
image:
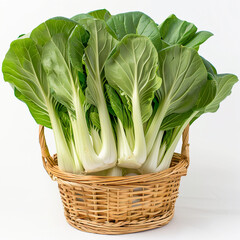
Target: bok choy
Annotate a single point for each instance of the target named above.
(117, 91)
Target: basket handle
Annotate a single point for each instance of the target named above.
(185, 145)
(47, 159)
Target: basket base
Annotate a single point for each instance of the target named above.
(121, 227)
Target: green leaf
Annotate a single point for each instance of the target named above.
(117, 105)
(132, 69)
(40, 115)
(77, 42)
(22, 68)
(225, 83)
(81, 16)
(167, 138)
(174, 120)
(65, 122)
(99, 47)
(83, 79)
(102, 14)
(134, 23)
(210, 68)
(198, 39)
(165, 45)
(57, 55)
(94, 117)
(207, 94)
(61, 39)
(52, 27)
(21, 35)
(184, 75)
(174, 30)
(59, 74)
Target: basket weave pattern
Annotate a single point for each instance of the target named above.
(117, 205)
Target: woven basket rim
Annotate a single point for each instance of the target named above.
(50, 164)
(180, 166)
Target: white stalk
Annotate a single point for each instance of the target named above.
(108, 152)
(96, 140)
(78, 164)
(161, 152)
(177, 133)
(66, 160)
(115, 171)
(151, 162)
(152, 131)
(123, 149)
(92, 161)
(130, 137)
(139, 151)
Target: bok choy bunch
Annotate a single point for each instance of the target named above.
(117, 91)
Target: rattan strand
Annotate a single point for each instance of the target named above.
(118, 205)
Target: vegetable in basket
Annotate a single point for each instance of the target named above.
(117, 91)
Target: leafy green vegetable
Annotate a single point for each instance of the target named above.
(102, 14)
(132, 70)
(134, 23)
(117, 91)
(67, 90)
(99, 48)
(224, 84)
(22, 68)
(184, 75)
(175, 31)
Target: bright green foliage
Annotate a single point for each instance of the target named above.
(117, 91)
(175, 31)
(138, 23)
(183, 76)
(132, 70)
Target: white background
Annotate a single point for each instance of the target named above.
(208, 205)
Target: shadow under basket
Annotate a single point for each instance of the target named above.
(118, 205)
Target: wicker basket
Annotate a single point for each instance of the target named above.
(118, 205)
